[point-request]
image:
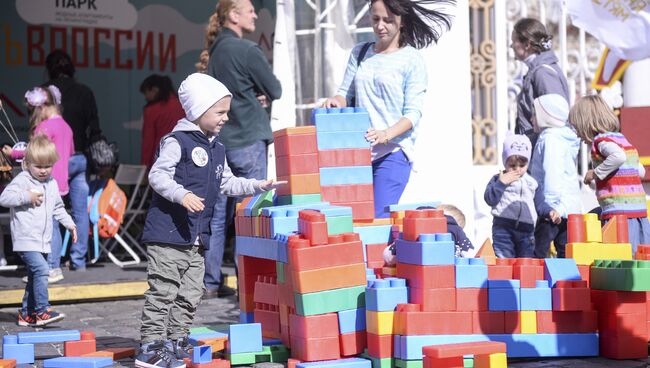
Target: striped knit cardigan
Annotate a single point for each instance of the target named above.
(621, 192)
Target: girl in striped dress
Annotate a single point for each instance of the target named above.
(616, 169)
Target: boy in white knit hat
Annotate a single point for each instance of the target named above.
(554, 166)
(513, 195)
(189, 173)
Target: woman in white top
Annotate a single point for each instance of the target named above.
(388, 78)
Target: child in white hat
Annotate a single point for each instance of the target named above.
(189, 173)
(513, 194)
(554, 166)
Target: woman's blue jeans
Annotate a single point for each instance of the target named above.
(79, 202)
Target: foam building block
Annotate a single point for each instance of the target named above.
(339, 363)
(345, 175)
(620, 275)
(202, 354)
(471, 273)
(7, 363)
(430, 249)
(571, 296)
(560, 269)
(48, 336)
(78, 362)
(86, 344)
(352, 320)
(386, 294)
(11, 349)
(504, 295)
(330, 300)
(538, 298)
(347, 119)
(245, 338)
(373, 234)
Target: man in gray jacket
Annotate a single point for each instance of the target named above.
(242, 67)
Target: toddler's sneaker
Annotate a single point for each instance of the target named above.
(157, 354)
(48, 316)
(182, 348)
(26, 320)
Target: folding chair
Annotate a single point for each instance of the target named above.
(131, 179)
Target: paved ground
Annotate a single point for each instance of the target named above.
(116, 324)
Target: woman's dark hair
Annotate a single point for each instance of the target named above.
(59, 63)
(531, 31)
(163, 83)
(421, 24)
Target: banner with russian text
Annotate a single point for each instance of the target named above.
(114, 44)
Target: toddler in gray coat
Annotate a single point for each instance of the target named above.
(33, 199)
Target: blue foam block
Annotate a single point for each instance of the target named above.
(194, 338)
(471, 273)
(341, 140)
(517, 345)
(429, 250)
(506, 299)
(78, 362)
(257, 247)
(11, 349)
(48, 336)
(556, 269)
(385, 294)
(343, 175)
(339, 363)
(373, 234)
(341, 120)
(246, 317)
(352, 320)
(504, 284)
(245, 338)
(538, 298)
(202, 354)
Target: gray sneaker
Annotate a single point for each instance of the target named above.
(182, 348)
(156, 354)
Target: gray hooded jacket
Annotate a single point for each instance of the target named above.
(544, 76)
(31, 226)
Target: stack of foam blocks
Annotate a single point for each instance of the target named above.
(344, 159)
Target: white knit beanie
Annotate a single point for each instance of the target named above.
(198, 92)
(551, 111)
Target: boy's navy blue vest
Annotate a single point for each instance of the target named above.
(171, 223)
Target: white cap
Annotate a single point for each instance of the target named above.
(551, 111)
(198, 92)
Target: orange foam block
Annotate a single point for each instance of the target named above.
(316, 326)
(86, 344)
(429, 221)
(352, 343)
(299, 184)
(427, 277)
(487, 252)
(465, 348)
(344, 157)
(295, 141)
(296, 164)
(347, 193)
(216, 343)
(341, 249)
(435, 300)
(7, 363)
(380, 346)
(432, 323)
(329, 278)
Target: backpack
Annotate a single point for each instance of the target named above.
(106, 206)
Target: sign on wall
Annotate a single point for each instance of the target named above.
(115, 44)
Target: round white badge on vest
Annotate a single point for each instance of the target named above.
(200, 156)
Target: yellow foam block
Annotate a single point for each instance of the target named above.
(528, 322)
(496, 360)
(586, 253)
(593, 231)
(380, 323)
